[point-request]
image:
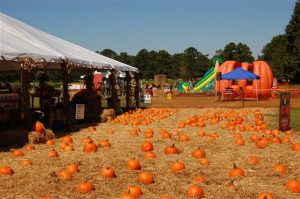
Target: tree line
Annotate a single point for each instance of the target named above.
(282, 53)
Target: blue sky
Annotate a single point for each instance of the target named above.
(172, 25)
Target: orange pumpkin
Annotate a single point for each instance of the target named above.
(107, 172)
(65, 175)
(146, 178)
(90, 147)
(26, 162)
(265, 195)
(167, 197)
(110, 131)
(169, 150)
(199, 178)
(50, 142)
(53, 153)
(87, 140)
(147, 146)
(72, 168)
(85, 187)
(39, 127)
(177, 167)
(104, 143)
(136, 191)
(184, 138)
(194, 191)
(252, 160)
(45, 197)
(17, 153)
(149, 155)
(133, 164)
(240, 142)
(199, 153)
(293, 186)
(67, 139)
(236, 172)
(6, 170)
(201, 133)
(280, 169)
(286, 140)
(296, 147)
(204, 161)
(30, 148)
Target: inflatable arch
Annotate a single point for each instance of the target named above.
(260, 68)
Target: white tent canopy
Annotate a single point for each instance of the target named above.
(18, 39)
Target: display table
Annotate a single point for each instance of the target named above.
(45, 94)
(229, 94)
(9, 106)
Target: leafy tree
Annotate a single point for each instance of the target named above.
(277, 57)
(178, 66)
(108, 53)
(161, 62)
(141, 61)
(194, 64)
(238, 52)
(293, 42)
(125, 58)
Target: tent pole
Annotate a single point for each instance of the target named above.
(128, 89)
(216, 94)
(114, 92)
(88, 80)
(66, 69)
(25, 98)
(256, 91)
(137, 90)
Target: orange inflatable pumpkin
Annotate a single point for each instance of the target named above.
(263, 85)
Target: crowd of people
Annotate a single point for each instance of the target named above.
(150, 89)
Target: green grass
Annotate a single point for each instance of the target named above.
(295, 119)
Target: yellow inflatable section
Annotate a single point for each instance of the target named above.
(204, 83)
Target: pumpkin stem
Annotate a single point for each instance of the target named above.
(234, 165)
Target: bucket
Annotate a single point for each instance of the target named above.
(170, 95)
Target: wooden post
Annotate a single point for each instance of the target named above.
(65, 67)
(25, 98)
(114, 93)
(128, 89)
(137, 90)
(88, 79)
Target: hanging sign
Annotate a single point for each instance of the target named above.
(79, 113)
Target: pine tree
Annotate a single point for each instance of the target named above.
(293, 41)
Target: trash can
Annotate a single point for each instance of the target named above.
(284, 111)
(169, 95)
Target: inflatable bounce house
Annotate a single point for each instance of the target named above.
(259, 87)
(207, 81)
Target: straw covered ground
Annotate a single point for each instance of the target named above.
(41, 177)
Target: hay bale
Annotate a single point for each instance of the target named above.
(35, 137)
(107, 115)
(160, 80)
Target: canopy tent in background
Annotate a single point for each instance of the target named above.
(241, 74)
(238, 74)
(18, 40)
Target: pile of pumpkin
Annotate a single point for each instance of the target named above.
(144, 117)
(231, 120)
